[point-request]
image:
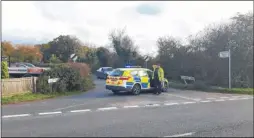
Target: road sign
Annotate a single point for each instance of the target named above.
(146, 58)
(227, 54)
(53, 80)
(224, 54)
(187, 78)
(74, 57)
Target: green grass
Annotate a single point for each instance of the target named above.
(33, 97)
(237, 90)
(177, 85)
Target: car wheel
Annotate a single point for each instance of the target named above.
(115, 92)
(136, 89)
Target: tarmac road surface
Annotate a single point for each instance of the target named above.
(99, 113)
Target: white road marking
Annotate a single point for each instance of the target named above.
(189, 102)
(76, 111)
(220, 100)
(232, 99)
(205, 101)
(131, 106)
(211, 98)
(49, 113)
(171, 104)
(181, 135)
(224, 97)
(183, 97)
(197, 100)
(152, 105)
(106, 108)
(19, 115)
(244, 98)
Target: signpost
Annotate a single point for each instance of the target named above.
(184, 78)
(74, 57)
(53, 80)
(146, 59)
(227, 54)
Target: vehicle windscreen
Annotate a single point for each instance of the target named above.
(108, 69)
(29, 65)
(116, 72)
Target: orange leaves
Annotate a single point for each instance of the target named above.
(28, 52)
(7, 48)
(21, 53)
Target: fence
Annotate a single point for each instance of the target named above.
(18, 86)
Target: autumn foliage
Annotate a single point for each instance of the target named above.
(21, 53)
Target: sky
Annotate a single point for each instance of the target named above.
(31, 22)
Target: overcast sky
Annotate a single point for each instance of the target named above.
(37, 22)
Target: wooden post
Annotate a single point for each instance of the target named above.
(34, 84)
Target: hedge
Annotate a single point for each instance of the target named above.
(72, 77)
(4, 70)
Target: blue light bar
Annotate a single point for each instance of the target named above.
(132, 66)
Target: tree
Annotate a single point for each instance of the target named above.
(63, 46)
(103, 55)
(26, 53)
(54, 59)
(7, 48)
(124, 47)
(170, 56)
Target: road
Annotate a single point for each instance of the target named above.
(99, 113)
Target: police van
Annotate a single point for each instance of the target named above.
(131, 79)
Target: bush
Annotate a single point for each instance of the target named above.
(4, 70)
(72, 77)
(42, 85)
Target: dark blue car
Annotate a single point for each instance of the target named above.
(103, 72)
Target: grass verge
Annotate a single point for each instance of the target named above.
(33, 97)
(177, 85)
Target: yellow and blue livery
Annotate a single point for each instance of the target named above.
(131, 80)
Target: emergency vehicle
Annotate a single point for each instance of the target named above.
(131, 79)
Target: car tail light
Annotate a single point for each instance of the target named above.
(124, 78)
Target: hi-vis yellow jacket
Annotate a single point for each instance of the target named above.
(160, 72)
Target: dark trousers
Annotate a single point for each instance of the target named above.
(157, 85)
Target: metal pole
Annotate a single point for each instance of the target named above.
(229, 68)
(146, 64)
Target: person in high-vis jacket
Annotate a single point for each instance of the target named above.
(158, 76)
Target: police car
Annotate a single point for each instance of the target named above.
(131, 79)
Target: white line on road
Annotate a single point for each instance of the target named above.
(189, 102)
(171, 104)
(220, 100)
(106, 108)
(244, 98)
(76, 111)
(224, 97)
(181, 135)
(19, 115)
(232, 99)
(131, 106)
(205, 101)
(152, 105)
(49, 113)
(211, 98)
